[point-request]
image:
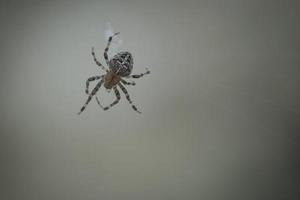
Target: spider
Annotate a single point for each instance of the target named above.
(120, 66)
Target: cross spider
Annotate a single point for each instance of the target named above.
(120, 66)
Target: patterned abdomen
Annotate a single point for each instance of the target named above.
(121, 64)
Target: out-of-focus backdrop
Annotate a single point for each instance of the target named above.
(220, 110)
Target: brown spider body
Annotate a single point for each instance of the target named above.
(120, 66)
(111, 79)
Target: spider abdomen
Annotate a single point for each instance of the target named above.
(121, 64)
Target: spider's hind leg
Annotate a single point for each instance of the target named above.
(128, 97)
(139, 75)
(118, 97)
(107, 47)
(127, 83)
(97, 62)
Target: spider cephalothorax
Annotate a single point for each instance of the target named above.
(120, 66)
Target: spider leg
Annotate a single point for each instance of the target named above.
(93, 78)
(127, 83)
(118, 97)
(107, 47)
(139, 75)
(91, 96)
(128, 97)
(97, 62)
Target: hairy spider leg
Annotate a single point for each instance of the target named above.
(118, 97)
(97, 62)
(127, 83)
(91, 96)
(93, 78)
(107, 47)
(139, 75)
(128, 97)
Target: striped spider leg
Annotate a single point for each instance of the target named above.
(107, 47)
(118, 97)
(128, 97)
(94, 91)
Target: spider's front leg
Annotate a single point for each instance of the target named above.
(107, 47)
(139, 75)
(118, 97)
(128, 97)
(93, 78)
(91, 96)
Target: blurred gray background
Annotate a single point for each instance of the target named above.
(221, 107)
